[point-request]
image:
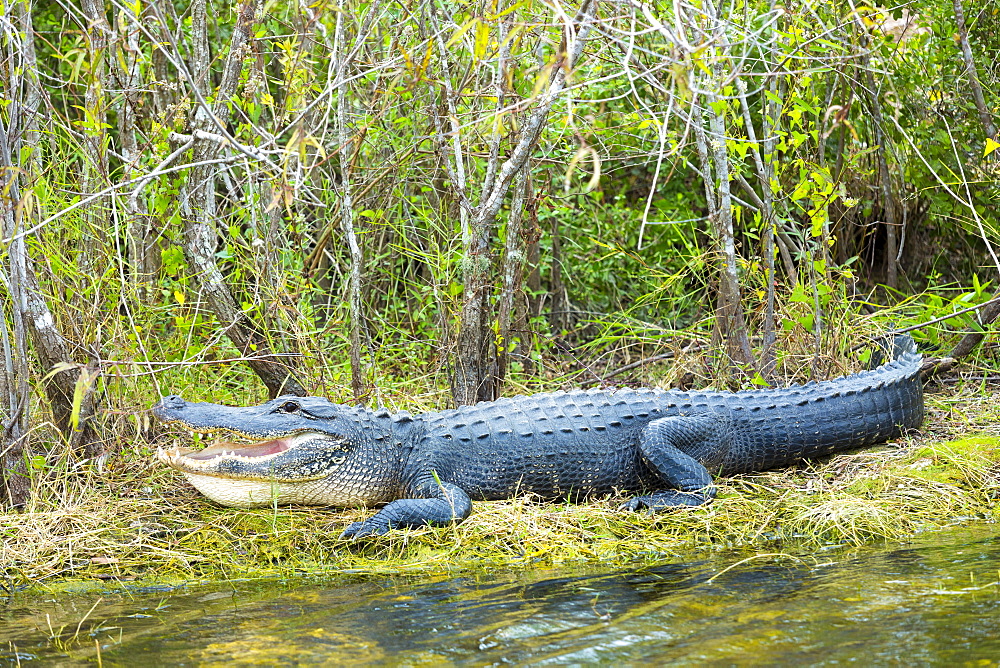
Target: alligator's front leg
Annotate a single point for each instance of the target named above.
(665, 445)
(437, 503)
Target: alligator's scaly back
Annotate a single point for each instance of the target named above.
(665, 444)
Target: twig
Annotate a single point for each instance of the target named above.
(101, 193)
(691, 347)
(946, 317)
(164, 366)
(642, 362)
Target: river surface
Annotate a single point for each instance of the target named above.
(933, 601)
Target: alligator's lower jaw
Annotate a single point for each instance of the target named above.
(232, 492)
(255, 493)
(260, 494)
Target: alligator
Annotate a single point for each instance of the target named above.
(664, 445)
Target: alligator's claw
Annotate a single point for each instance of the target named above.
(362, 529)
(668, 499)
(632, 504)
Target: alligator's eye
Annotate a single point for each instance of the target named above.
(289, 407)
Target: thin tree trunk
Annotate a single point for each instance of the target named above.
(358, 334)
(15, 392)
(512, 266)
(472, 381)
(871, 94)
(558, 298)
(730, 320)
(15, 484)
(768, 355)
(164, 96)
(512, 273)
(885, 183)
(199, 234)
(531, 305)
(125, 69)
(95, 138)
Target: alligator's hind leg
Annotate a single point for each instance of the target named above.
(444, 503)
(674, 447)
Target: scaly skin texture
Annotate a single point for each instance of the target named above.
(666, 445)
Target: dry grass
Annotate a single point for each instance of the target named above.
(138, 520)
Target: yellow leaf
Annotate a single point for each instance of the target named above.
(482, 41)
(462, 29)
(991, 146)
(83, 383)
(179, 296)
(59, 367)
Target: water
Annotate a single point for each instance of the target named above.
(934, 601)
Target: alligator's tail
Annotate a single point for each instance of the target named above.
(817, 419)
(888, 349)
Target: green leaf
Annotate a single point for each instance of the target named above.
(799, 295)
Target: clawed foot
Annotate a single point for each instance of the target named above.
(635, 504)
(664, 500)
(364, 528)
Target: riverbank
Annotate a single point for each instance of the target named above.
(137, 520)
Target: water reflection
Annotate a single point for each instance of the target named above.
(934, 602)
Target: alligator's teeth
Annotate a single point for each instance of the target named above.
(169, 457)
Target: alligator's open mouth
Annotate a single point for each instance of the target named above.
(207, 460)
(258, 473)
(261, 449)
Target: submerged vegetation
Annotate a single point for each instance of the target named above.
(418, 204)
